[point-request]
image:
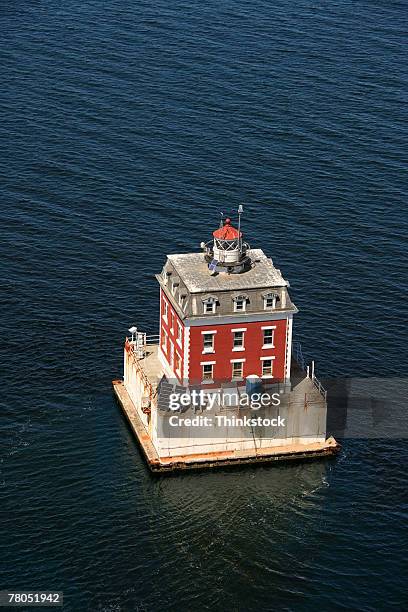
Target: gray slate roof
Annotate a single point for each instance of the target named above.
(193, 270)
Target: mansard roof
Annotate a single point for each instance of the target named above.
(193, 272)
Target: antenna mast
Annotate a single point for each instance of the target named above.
(240, 211)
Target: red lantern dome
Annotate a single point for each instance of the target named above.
(227, 232)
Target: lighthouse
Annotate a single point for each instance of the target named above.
(225, 331)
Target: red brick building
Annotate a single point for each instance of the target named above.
(225, 321)
(225, 314)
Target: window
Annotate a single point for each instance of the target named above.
(208, 342)
(238, 341)
(178, 364)
(267, 367)
(182, 300)
(166, 276)
(209, 305)
(165, 310)
(240, 303)
(179, 333)
(164, 340)
(268, 335)
(237, 369)
(208, 371)
(270, 300)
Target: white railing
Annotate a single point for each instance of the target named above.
(153, 339)
(298, 354)
(319, 386)
(310, 370)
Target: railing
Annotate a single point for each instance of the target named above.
(298, 355)
(148, 386)
(153, 339)
(319, 386)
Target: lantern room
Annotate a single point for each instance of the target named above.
(227, 252)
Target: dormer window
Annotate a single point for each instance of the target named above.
(182, 300)
(166, 276)
(174, 287)
(209, 304)
(240, 303)
(270, 300)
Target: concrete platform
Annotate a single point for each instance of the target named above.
(219, 459)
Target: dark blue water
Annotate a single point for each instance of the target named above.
(126, 126)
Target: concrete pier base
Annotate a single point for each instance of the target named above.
(326, 448)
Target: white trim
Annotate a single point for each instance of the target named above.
(165, 310)
(207, 380)
(186, 352)
(177, 370)
(244, 305)
(207, 304)
(208, 349)
(288, 360)
(240, 362)
(211, 331)
(164, 341)
(245, 318)
(267, 374)
(266, 358)
(238, 329)
(269, 327)
(239, 347)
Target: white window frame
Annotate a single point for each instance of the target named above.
(270, 296)
(207, 363)
(271, 328)
(212, 334)
(165, 310)
(179, 338)
(164, 340)
(240, 347)
(171, 354)
(209, 305)
(177, 359)
(182, 300)
(174, 286)
(237, 301)
(235, 362)
(271, 359)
